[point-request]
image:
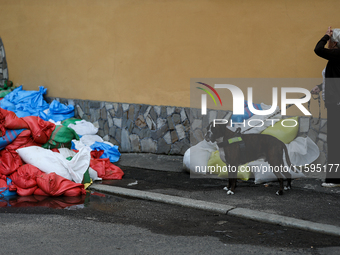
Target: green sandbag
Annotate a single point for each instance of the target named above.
(69, 121)
(285, 134)
(3, 93)
(61, 137)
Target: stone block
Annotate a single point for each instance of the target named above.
(180, 131)
(148, 145)
(312, 135)
(125, 141)
(159, 132)
(167, 137)
(170, 110)
(151, 124)
(198, 135)
(125, 107)
(163, 147)
(212, 116)
(80, 111)
(135, 143)
(183, 115)
(324, 128)
(118, 135)
(103, 113)
(170, 123)
(153, 114)
(131, 111)
(112, 131)
(176, 118)
(196, 124)
(163, 112)
(140, 122)
(108, 106)
(304, 125)
(157, 110)
(160, 122)
(117, 122)
(323, 137)
(174, 137)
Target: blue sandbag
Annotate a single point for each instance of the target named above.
(28, 103)
(4, 192)
(58, 112)
(109, 152)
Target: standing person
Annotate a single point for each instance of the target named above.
(331, 91)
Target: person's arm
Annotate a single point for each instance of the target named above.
(321, 51)
(317, 89)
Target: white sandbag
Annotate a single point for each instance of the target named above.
(196, 158)
(84, 127)
(49, 161)
(94, 175)
(66, 152)
(263, 173)
(86, 141)
(302, 151)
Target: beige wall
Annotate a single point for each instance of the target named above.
(146, 51)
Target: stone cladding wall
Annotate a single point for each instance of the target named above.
(166, 129)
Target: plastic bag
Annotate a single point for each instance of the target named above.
(31, 102)
(302, 151)
(84, 127)
(58, 112)
(263, 173)
(195, 159)
(110, 152)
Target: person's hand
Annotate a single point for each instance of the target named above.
(315, 90)
(329, 31)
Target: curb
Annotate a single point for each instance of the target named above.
(222, 209)
(157, 197)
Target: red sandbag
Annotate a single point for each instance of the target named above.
(25, 176)
(40, 192)
(55, 185)
(41, 130)
(105, 169)
(26, 192)
(9, 162)
(24, 139)
(8, 120)
(75, 192)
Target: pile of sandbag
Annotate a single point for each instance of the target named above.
(204, 157)
(36, 156)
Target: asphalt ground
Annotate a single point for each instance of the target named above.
(300, 203)
(50, 227)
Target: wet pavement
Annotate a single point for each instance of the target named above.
(302, 202)
(180, 229)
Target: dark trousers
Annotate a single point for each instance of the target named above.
(333, 143)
